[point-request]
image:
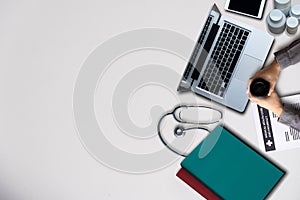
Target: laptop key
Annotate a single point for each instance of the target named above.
(240, 47)
(240, 35)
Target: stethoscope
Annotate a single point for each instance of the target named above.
(180, 131)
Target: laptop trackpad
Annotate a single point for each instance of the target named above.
(248, 66)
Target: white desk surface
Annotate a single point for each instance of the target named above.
(43, 47)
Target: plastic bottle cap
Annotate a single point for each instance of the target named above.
(292, 22)
(296, 10)
(276, 21)
(283, 5)
(276, 15)
(282, 2)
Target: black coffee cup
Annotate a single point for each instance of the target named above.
(259, 88)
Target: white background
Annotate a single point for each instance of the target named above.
(43, 45)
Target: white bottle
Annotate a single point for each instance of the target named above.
(283, 5)
(276, 21)
(295, 11)
(292, 25)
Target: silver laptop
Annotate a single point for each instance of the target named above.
(225, 56)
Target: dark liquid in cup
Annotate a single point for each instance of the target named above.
(259, 88)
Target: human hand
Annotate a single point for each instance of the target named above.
(269, 73)
(271, 102)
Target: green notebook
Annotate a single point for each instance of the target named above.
(231, 168)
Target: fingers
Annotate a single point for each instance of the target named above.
(271, 91)
(272, 88)
(248, 86)
(252, 98)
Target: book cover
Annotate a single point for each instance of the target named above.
(231, 168)
(197, 185)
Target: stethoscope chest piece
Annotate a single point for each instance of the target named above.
(179, 131)
(186, 131)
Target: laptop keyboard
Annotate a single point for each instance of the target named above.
(223, 60)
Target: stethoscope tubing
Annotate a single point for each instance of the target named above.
(184, 122)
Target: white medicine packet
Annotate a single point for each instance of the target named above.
(272, 135)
